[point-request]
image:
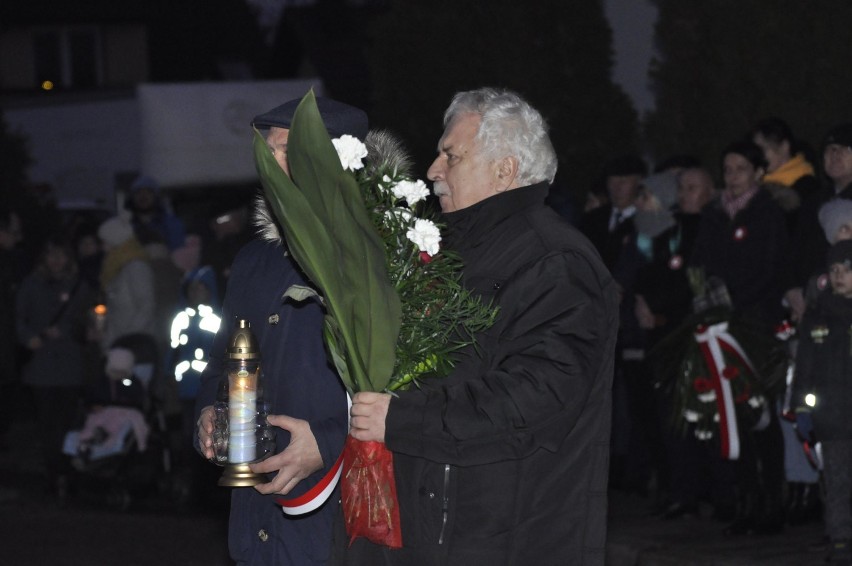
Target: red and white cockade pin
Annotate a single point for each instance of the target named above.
(676, 262)
(740, 233)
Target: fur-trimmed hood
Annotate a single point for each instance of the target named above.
(383, 149)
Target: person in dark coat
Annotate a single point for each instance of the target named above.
(663, 301)
(837, 160)
(152, 221)
(743, 240)
(610, 227)
(612, 230)
(504, 461)
(51, 319)
(306, 399)
(822, 389)
(790, 177)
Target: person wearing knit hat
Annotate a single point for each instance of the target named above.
(839, 135)
(151, 218)
(115, 231)
(821, 394)
(128, 282)
(841, 254)
(835, 217)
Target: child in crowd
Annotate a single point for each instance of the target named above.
(822, 391)
(116, 402)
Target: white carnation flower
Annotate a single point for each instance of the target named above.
(351, 151)
(691, 416)
(425, 235)
(707, 397)
(411, 191)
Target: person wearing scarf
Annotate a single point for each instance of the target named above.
(791, 180)
(743, 240)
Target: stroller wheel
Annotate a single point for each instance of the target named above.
(119, 498)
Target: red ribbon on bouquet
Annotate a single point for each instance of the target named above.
(368, 487)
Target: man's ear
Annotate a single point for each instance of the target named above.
(507, 173)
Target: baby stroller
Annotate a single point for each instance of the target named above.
(121, 446)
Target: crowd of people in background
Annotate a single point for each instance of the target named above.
(771, 232)
(98, 314)
(758, 245)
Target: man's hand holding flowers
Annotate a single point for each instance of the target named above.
(368, 416)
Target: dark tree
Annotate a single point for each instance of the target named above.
(557, 55)
(724, 64)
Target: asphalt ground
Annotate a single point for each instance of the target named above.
(158, 525)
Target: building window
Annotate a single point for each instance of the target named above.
(68, 58)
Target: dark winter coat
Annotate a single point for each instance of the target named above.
(610, 244)
(299, 382)
(750, 253)
(43, 302)
(824, 365)
(809, 244)
(662, 281)
(505, 460)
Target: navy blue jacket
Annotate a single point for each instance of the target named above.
(299, 383)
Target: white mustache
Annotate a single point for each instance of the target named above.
(440, 189)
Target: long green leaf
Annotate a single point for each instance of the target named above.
(331, 236)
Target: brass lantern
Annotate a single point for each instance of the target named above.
(241, 434)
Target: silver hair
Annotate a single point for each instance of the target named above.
(509, 127)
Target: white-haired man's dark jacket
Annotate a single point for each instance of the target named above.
(505, 461)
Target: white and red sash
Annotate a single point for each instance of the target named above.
(317, 495)
(713, 341)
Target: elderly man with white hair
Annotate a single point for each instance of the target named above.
(505, 460)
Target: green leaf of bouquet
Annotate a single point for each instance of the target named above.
(330, 235)
(331, 332)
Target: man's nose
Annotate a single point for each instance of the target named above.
(435, 171)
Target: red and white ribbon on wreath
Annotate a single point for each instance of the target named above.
(317, 495)
(713, 340)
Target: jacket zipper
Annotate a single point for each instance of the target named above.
(445, 504)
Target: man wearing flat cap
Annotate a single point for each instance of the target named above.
(306, 399)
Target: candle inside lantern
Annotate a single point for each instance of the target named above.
(242, 416)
